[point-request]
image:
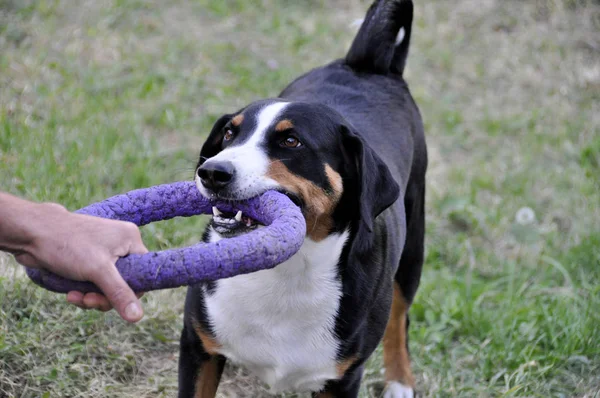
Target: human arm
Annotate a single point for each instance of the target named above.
(75, 246)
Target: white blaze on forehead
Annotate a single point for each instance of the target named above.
(266, 117)
(251, 162)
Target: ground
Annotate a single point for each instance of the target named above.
(101, 97)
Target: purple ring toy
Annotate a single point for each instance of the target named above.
(263, 248)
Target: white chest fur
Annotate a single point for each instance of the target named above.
(279, 323)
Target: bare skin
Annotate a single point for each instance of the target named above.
(75, 246)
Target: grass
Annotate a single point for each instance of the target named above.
(101, 97)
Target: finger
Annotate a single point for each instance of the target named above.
(76, 298)
(97, 301)
(90, 303)
(119, 294)
(26, 260)
(92, 300)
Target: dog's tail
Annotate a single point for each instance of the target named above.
(381, 45)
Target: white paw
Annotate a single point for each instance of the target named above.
(395, 389)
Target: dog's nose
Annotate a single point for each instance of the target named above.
(216, 175)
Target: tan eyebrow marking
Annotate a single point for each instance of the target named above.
(284, 125)
(237, 120)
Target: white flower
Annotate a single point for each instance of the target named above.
(525, 216)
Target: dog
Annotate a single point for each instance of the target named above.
(346, 143)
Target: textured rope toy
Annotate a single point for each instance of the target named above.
(263, 248)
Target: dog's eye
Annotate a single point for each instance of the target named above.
(290, 142)
(228, 136)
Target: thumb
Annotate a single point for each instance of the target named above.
(120, 295)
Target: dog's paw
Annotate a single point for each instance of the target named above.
(395, 389)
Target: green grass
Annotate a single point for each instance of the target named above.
(98, 98)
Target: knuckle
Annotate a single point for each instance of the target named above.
(131, 229)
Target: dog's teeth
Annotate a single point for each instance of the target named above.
(216, 211)
(248, 223)
(238, 216)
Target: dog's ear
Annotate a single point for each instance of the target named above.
(376, 188)
(212, 145)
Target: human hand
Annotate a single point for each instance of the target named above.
(96, 301)
(84, 248)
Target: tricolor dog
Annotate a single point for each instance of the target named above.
(345, 142)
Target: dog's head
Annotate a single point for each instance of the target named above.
(306, 151)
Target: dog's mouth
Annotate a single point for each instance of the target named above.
(229, 224)
(234, 223)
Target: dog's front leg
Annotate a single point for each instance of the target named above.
(346, 387)
(199, 371)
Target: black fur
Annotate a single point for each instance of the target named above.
(357, 115)
(374, 49)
